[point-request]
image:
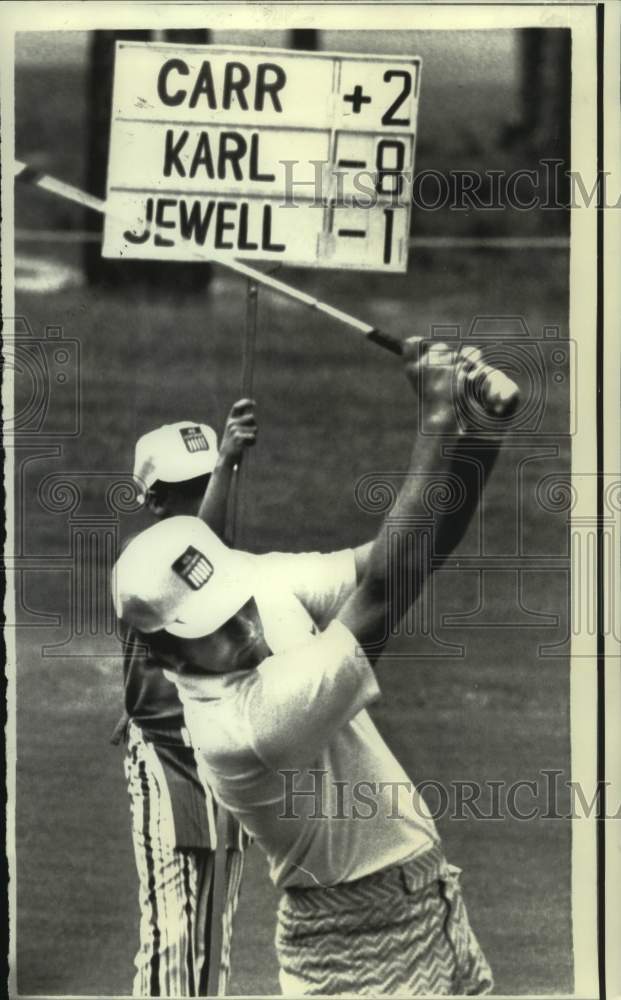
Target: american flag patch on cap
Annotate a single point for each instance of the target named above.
(193, 567)
(194, 439)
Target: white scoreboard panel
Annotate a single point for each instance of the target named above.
(259, 154)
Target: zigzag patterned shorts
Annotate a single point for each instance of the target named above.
(403, 931)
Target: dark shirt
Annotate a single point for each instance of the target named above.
(151, 700)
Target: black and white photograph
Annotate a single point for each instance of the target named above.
(312, 493)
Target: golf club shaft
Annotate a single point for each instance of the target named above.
(498, 394)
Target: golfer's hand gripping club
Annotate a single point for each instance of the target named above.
(496, 392)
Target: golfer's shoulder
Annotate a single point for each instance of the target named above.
(307, 565)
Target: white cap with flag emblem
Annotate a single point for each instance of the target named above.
(174, 453)
(179, 576)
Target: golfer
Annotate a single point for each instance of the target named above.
(273, 657)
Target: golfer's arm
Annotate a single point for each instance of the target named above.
(214, 504)
(372, 611)
(368, 613)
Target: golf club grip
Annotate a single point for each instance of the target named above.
(386, 340)
(497, 393)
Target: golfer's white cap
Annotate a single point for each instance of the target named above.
(174, 453)
(179, 576)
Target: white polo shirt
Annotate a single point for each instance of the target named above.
(289, 748)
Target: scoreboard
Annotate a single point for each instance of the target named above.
(257, 154)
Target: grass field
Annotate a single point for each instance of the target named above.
(331, 408)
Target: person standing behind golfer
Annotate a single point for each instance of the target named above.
(179, 470)
(274, 657)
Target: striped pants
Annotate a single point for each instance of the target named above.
(403, 931)
(176, 889)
